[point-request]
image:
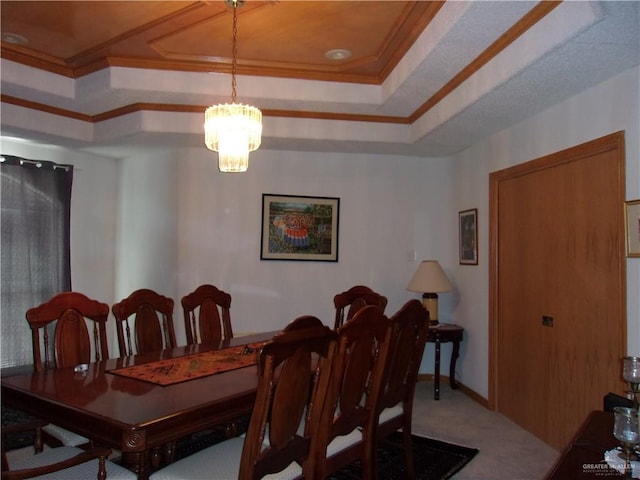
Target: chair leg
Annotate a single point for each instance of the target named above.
(102, 471)
(38, 442)
(370, 457)
(369, 468)
(408, 450)
(50, 441)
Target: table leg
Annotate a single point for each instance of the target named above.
(452, 364)
(137, 463)
(436, 373)
(155, 458)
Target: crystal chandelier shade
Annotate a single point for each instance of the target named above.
(233, 129)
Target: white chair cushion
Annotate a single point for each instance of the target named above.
(389, 413)
(65, 436)
(84, 471)
(218, 462)
(343, 441)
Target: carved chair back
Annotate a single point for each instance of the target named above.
(294, 371)
(152, 317)
(356, 381)
(207, 317)
(410, 327)
(68, 314)
(351, 301)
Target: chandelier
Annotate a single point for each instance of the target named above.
(233, 129)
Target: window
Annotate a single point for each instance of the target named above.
(35, 201)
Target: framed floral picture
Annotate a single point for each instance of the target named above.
(468, 236)
(299, 228)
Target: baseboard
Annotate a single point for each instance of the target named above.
(444, 382)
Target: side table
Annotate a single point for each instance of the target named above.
(584, 456)
(443, 333)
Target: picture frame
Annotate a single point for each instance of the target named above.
(632, 228)
(468, 236)
(299, 227)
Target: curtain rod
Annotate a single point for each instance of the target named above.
(13, 160)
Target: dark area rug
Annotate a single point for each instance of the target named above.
(434, 460)
(11, 416)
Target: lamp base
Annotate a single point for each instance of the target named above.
(430, 302)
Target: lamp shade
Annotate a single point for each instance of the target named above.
(429, 278)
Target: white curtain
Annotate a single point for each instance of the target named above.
(35, 201)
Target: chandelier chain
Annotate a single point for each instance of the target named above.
(232, 129)
(234, 53)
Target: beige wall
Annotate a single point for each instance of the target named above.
(169, 220)
(606, 108)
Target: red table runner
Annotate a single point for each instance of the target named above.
(189, 367)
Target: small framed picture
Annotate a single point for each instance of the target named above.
(299, 228)
(632, 227)
(468, 236)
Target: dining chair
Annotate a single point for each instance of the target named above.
(348, 421)
(410, 327)
(153, 322)
(294, 370)
(353, 300)
(68, 314)
(60, 463)
(302, 322)
(207, 317)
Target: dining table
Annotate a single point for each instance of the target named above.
(112, 403)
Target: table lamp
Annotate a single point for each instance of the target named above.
(429, 280)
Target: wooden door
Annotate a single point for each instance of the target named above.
(557, 282)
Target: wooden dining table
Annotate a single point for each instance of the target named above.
(139, 418)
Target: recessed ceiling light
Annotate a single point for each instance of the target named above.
(14, 38)
(338, 54)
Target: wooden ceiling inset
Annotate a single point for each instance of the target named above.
(275, 38)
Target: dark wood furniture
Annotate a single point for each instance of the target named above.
(61, 462)
(443, 333)
(133, 416)
(287, 396)
(356, 380)
(303, 322)
(281, 429)
(353, 300)
(68, 313)
(395, 405)
(583, 458)
(153, 322)
(207, 316)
